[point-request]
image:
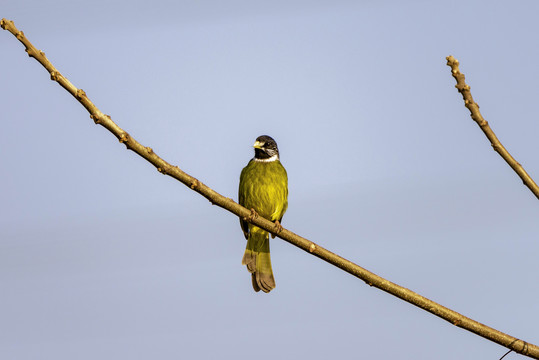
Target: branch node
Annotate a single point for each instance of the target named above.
(524, 347)
(451, 61)
(20, 35)
(462, 87)
(80, 94)
(194, 184)
(312, 248)
(124, 139)
(95, 119)
(149, 150)
(54, 75)
(163, 170)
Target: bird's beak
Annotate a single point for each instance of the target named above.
(258, 145)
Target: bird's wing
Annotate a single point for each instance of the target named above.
(241, 200)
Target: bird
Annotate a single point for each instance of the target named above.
(263, 189)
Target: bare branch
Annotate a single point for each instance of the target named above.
(371, 279)
(464, 89)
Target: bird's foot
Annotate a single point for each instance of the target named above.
(278, 229)
(253, 215)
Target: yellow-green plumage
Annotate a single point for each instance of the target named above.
(264, 188)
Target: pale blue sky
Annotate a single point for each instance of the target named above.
(101, 257)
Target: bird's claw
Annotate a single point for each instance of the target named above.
(278, 229)
(253, 215)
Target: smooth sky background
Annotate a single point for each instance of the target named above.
(101, 257)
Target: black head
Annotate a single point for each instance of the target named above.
(265, 148)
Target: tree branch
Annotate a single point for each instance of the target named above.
(464, 89)
(164, 167)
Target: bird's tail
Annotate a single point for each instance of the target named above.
(258, 261)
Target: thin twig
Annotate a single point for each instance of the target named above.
(504, 355)
(464, 89)
(371, 279)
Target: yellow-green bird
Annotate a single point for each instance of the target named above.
(264, 189)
